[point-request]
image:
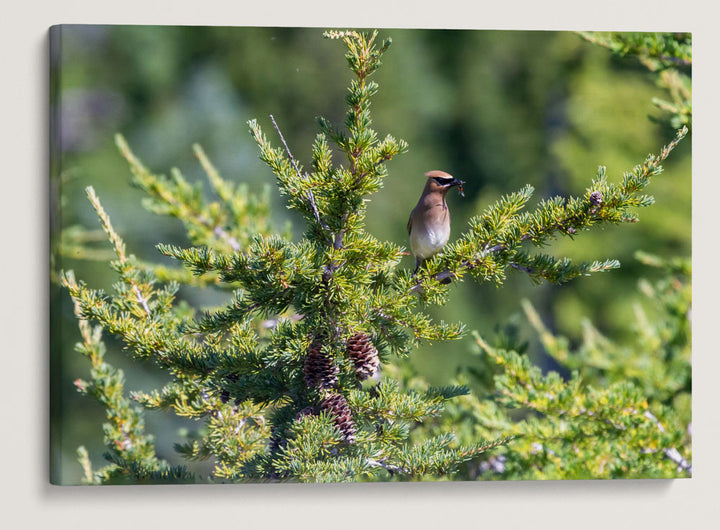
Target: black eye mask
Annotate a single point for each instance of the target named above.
(444, 181)
(450, 181)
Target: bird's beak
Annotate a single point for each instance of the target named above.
(459, 183)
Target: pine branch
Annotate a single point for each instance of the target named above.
(494, 238)
(124, 430)
(669, 55)
(390, 468)
(669, 49)
(612, 429)
(119, 246)
(178, 199)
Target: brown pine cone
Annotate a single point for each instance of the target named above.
(319, 369)
(364, 355)
(337, 407)
(307, 411)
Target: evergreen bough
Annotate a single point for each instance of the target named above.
(284, 377)
(623, 412)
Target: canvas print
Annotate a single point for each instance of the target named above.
(368, 255)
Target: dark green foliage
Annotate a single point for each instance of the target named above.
(275, 374)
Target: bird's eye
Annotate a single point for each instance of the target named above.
(443, 181)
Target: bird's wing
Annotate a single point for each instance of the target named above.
(409, 225)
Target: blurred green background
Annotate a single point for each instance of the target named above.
(498, 109)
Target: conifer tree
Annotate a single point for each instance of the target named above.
(293, 379)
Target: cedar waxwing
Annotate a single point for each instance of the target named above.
(429, 223)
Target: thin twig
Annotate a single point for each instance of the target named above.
(287, 149)
(522, 268)
(310, 196)
(117, 243)
(340, 235)
(390, 468)
(140, 298)
(472, 263)
(671, 453)
(218, 231)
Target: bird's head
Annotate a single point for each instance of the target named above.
(439, 181)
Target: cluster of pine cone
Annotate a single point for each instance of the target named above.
(320, 371)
